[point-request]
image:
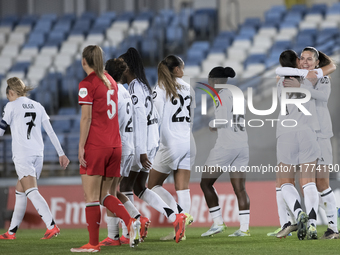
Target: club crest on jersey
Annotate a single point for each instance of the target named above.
(154, 94)
(134, 99)
(83, 92)
(324, 80)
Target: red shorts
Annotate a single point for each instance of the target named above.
(104, 162)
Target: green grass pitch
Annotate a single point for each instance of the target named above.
(28, 242)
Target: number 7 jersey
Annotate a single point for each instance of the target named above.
(25, 117)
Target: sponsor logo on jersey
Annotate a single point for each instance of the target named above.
(134, 99)
(83, 92)
(154, 94)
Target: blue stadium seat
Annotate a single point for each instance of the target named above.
(70, 17)
(20, 67)
(254, 22)
(62, 126)
(174, 34)
(151, 75)
(43, 26)
(48, 17)
(255, 58)
(88, 16)
(299, 8)
(67, 111)
(318, 8)
(36, 39)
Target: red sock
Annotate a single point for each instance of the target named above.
(115, 206)
(93, 216)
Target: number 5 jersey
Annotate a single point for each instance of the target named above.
(25, 117)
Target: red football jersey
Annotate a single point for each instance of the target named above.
(104, 129)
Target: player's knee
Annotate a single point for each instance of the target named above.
(205, 185)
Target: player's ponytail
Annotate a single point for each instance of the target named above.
(324, 60)
(166, 77)
(135, 64)
(93, 55)
(18, 86)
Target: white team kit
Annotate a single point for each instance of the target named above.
(177, 149)
(25, 118)
(231, 147)
(125, 113)
(145, 121)
(321, 94)
(297, 145)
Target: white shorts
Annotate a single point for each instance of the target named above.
(168, 159)
(326, 151)
(137, 166)
(235, 159)
(125, 164)
(298, 147)
(28, 166)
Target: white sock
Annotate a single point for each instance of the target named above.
(157, 203)
(41, 206)
(184, 199)
(216, 215)
(166, 196)
(132, 210)
(281, 207)
(329, 201)
(292, 198)
(311, 201)
(130, 196)
(244, 217)
(113, 227)
(19, 211)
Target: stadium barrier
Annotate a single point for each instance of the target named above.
(68, 206)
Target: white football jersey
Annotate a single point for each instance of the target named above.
(25, 117)
(234, 134)
(294, 116)
(175, 114)
(125, 113)
(321, 94)
(145, 120)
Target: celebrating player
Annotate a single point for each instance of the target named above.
(25, 118)
(298, 146)
(321, 93)
(116, 68)
(100, 148)
(231, 149)
(289, 59)
(146, 141)
(175, 102)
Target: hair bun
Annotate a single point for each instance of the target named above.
(229, 72)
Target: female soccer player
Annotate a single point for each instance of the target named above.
(289, 60)
(146, 141)
(231, 149)
(321, 93)
(175, 102)
(25, 118)
(116, 67)
(298, 146)
(100, 147)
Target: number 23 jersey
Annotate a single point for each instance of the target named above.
(24, 116)
(175, 114)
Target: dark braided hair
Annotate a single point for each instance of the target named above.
(116, 67)
(134, 61)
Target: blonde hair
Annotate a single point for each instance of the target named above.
(18, 86)
(93, 55)
(166, 77)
